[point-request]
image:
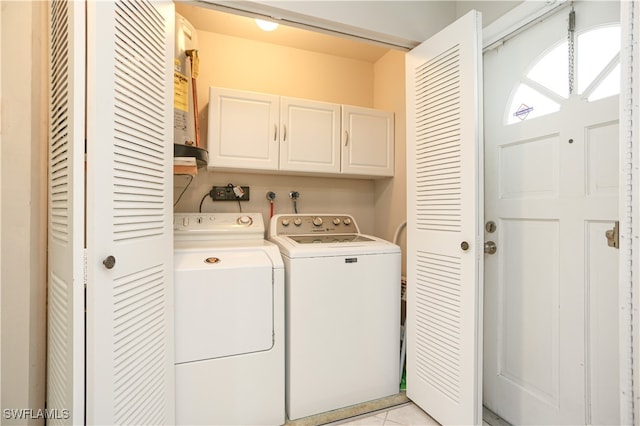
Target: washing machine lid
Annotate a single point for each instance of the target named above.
(223, 303)
(320, 235)
(330, 239)
(324, 246)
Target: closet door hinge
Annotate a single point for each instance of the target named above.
(84, 268)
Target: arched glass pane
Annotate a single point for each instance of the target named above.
(552, 70)
(528, 103)
(596, 49)
(608, 87)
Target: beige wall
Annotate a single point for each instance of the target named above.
(23, 199)
(391, 194)
(239, 63)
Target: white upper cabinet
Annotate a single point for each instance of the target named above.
(243, 129)
(310, 136)
(368, 141)
(258, 132)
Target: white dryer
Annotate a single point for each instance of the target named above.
(342, 313)
(229, 321)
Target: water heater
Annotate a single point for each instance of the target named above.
(186, 132)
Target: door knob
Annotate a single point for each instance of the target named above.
(109, 262)
(490, 247)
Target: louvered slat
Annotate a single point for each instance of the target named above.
(65, 289)
(438, 170)
(59, 119)
(438, 321)
(138, 346)
(139, 146)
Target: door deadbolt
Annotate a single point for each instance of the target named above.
(613, 235)
(490, 247)
(490, 227)
(109, 262)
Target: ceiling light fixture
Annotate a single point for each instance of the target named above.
(266, 25)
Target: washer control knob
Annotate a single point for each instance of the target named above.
(336, 221)
(185, 221)
(244, 220)
(297, 221)
(286, 221)
(317, 221)
(347, 221)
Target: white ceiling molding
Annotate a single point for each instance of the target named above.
(517, 20)
(428, 17)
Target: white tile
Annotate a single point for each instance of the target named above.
(409, 415)
(375, 420)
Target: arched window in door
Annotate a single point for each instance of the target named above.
(545, 86)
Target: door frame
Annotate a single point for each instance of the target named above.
(628, 282)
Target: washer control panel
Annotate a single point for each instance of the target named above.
(305, 224)
(217, 225)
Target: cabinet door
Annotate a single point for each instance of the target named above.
(310, 136)
(368, 141)
(243, 129)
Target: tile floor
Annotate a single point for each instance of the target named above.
(408, 414)
(404, 415)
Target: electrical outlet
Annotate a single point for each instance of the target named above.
(228, 193)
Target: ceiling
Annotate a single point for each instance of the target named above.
(210, 20)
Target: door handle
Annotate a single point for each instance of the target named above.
(490, 247)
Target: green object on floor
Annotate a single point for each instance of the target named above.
(403, 382)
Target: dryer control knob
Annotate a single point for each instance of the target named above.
(285, 222)
(297, 221)
(317, 221)
(347, 221)
(336, 221)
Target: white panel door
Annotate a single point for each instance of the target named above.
(309, 136)
(444, 217)
(551, 156)
(129, 213)
(368, 147)
(243, 129)
(65, 316)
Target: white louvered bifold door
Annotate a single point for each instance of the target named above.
(444, 219)
(65, 316)
(129, 212)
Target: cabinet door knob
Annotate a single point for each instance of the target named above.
(284, 132)
(346, 137)
(275, 132)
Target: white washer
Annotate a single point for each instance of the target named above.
(342, 313)
(229, 321)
